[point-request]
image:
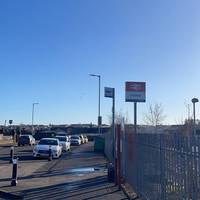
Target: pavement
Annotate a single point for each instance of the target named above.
(78, 174)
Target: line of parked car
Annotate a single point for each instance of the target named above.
(56, 145)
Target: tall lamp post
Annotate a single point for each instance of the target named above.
(194, 100)
(33, 112)
(99, 103)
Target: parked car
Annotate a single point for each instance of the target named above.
(82, 139)
(61, 133)
(26, 140)
(64, 140)
(42, 148)
(85, 138)
(75, 140)
(44, 134)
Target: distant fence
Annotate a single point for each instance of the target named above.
(162, 167)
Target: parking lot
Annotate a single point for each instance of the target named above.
(78, 174)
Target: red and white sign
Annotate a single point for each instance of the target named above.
(135, 91)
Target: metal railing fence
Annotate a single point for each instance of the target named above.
(160, 166)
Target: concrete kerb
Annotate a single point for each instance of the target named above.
(128, 191)
(8, 195)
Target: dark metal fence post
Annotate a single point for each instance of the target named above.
(162, 169)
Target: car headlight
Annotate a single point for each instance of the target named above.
(55, 150)
(35, 150)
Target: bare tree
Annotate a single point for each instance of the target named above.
(119, 117)
(188, 109)
(155, 115)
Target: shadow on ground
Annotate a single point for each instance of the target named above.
(93, 188)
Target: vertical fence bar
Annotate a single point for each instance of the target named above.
(198, 165)
(123, 158)
(184, 169)
(118, 156)
(195, 166)
(190, 169)
(162, 169)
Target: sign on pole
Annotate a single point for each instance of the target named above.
(135, 91)
(109, 92)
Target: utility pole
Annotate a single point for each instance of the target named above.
(99, 103)
(33, 112)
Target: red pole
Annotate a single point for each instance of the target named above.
(118, 156)
(115, 149)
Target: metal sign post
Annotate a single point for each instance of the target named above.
(135, 117)
(110, 93)
(135, 92)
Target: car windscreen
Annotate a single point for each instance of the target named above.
(62, 139)
(24, 137)
(75, 138)
(48, 142)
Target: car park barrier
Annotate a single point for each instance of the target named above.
(111, 173)
(11, 154)
(50, 154)
(14, 172)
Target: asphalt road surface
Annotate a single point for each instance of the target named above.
(78, 174)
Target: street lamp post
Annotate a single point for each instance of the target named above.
(33, 112)
(99, 103)
(194, 100)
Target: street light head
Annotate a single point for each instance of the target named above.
(195, 100)
(94, 75)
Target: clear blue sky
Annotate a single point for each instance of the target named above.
(48, 48)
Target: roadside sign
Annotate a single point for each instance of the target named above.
(135, 91)
(109, 92)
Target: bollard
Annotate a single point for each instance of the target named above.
(14, 172)
(11, 154)
(50, 154)
(111, 173)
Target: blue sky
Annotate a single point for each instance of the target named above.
(48, 48)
